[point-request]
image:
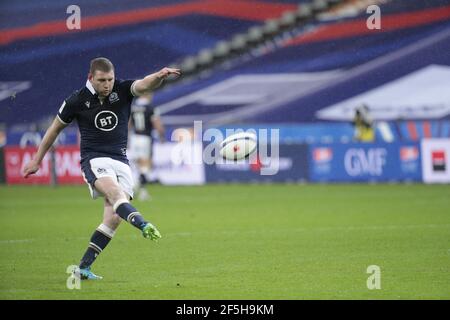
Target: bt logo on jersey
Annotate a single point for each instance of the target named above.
(106, 120)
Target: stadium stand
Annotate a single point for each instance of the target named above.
(295, 65)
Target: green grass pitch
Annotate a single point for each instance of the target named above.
(234, 242)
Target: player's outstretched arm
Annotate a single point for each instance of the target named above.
(49, 138)
(153, 81)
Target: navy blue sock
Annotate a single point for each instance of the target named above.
(98, 242)
(129, 213)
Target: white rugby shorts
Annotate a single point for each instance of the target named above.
(107, 167)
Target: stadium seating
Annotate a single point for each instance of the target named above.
(307, 75)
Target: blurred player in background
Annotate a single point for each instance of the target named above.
(363, 123)
(144, 118)
(102, 110)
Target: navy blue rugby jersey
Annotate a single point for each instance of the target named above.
(103, 127)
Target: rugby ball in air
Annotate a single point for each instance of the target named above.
(238, 146)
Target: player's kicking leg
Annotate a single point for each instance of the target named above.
(124, 209)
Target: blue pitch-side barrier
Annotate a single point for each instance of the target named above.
(335, 162)
(364, 162)
(352, 162)
(290, 166)
(303, 156)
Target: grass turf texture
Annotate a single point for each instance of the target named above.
(234, 242)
